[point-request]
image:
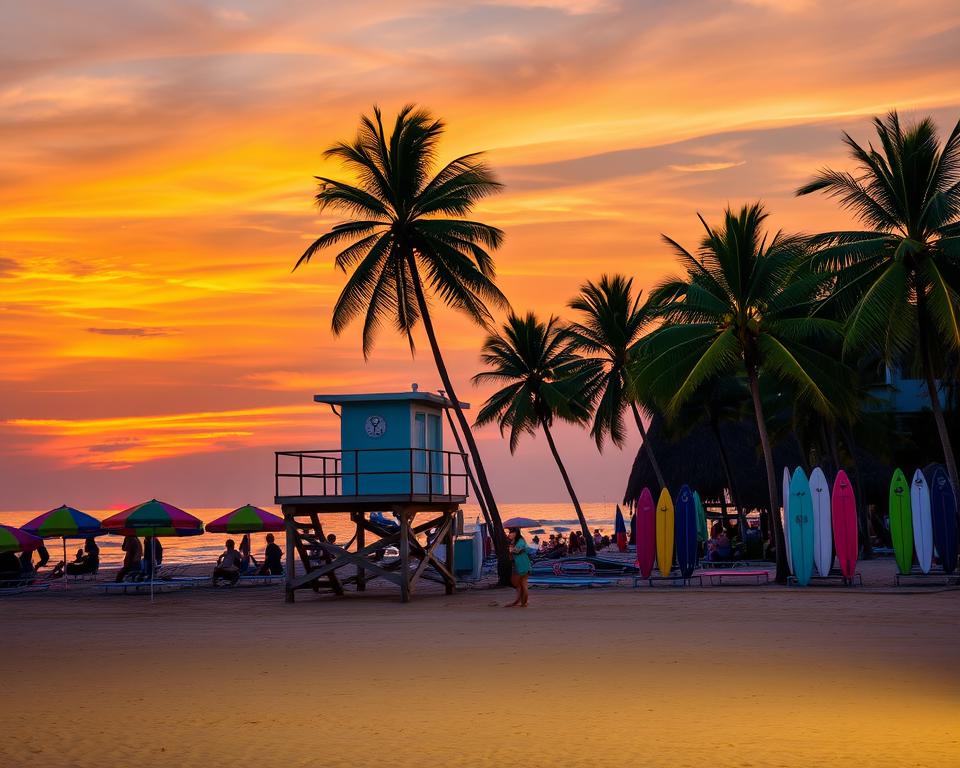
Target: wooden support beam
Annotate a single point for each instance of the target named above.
(290, 531)
(450, 585)
(361, 538)
(404, 555)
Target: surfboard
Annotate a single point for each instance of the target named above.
(822, 525)
(922, 520)
(664, 533)
(901, 521)
(785, 516)
(685, 531)
(702, 533)
(801, 527)
(844, 513)
(646, 533)
(943, 510)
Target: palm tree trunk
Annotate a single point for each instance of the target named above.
(728, 474)
(933, 391)
(587, 538)
(504, 565)
(646, 445)
(777, 529)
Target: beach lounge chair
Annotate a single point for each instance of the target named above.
(740, 575)
(21, 586)
(572, 582)
(256, 579)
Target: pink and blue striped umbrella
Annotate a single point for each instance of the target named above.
(14, 540)
(246, 519)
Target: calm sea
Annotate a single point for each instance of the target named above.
(206, 548)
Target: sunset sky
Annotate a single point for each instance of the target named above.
(156, 182)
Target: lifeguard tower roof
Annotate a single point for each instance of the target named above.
(380, 397)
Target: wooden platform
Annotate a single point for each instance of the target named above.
(322, 561)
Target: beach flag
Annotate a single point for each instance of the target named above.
(620, 529)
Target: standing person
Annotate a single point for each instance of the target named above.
(133, 555)
(521, 566)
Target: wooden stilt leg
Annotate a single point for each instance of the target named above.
(361, 543)
(404, 556)
(291, 558)
(449, 544)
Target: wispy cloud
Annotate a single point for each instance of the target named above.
(139, 333)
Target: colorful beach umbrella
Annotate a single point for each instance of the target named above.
(246, 519)
(64, 523)
(14, 540)
(153, 518)
(620, 529)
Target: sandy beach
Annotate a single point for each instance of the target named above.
(720, 677)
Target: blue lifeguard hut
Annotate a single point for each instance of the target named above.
(391, 466)
(391, 443)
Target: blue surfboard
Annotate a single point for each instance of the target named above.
(943, 510)
(685, 531)
(801, 527)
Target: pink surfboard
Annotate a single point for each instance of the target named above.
(646, 533)
(845, 524)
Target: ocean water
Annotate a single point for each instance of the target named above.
(206, 548)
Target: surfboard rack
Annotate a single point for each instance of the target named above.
(833, 580)
(672, 581)
(716, 577)
(935, 578)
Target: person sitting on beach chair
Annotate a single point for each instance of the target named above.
(10, 570)
(133, 556)
(228, 565)
(152, 557)
(26, 560)
(87, 561)
(272, 559)
(719, 546)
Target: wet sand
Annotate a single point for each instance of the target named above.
(713, 677)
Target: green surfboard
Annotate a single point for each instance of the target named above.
(701, 517)
(901, 521)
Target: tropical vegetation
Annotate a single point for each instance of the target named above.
(543, 380)
(786, 333)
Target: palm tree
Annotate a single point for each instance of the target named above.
(405, 232)
(742, 307)
(544, 381)
(900, 278)
(612, 321)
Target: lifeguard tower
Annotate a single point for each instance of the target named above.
(390, 467)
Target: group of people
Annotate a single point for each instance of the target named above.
(234, 563)
(140, 561)
(23, 569)
(574, 544)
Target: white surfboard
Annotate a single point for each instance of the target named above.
(785, 516)
(922, 520)
(822, 522)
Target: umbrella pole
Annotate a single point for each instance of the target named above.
(64, 538)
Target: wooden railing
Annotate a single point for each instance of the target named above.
(422, 472)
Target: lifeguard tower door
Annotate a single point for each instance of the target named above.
(428, 459)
